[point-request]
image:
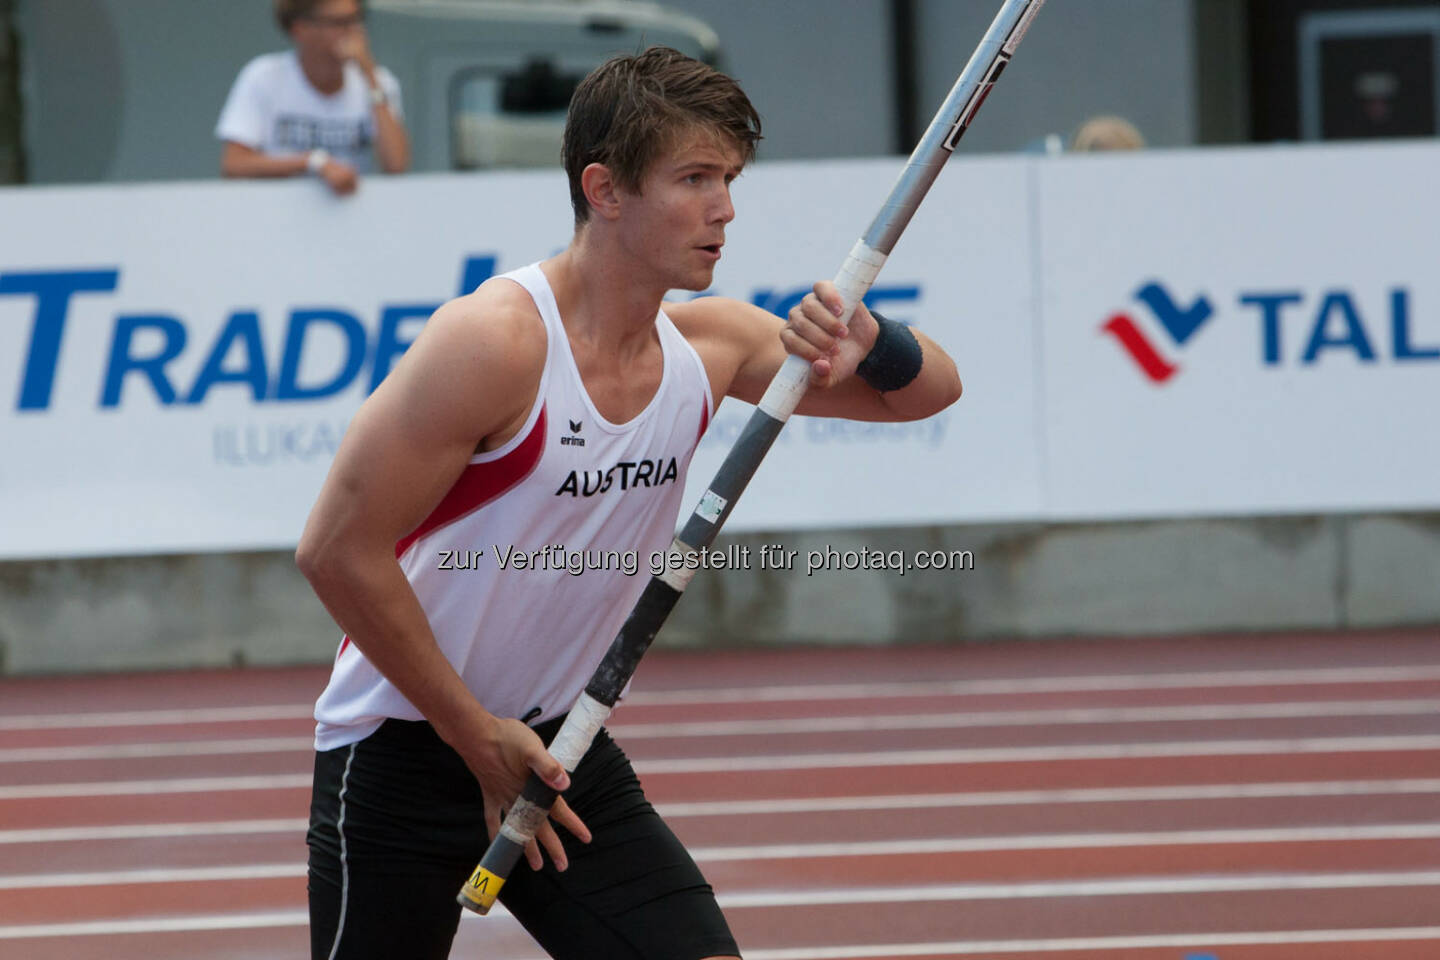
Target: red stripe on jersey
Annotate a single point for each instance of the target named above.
(704, 419)
(478, 484)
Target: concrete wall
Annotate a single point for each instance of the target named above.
(1028, 580)
(1039, 580)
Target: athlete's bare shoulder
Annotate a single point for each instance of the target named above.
(708, 311)
(476, 367)
(736, 323)
(728, 334)
(500, 319)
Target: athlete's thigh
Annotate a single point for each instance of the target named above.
(396, 825)
(381, 914)
(633, 893)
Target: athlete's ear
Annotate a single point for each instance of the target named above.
(601, 190)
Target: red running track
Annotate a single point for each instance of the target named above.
(1221, 798)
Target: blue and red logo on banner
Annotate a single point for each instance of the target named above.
(1181, 323)
(1334, 323)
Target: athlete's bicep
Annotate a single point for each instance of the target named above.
(752, 340)
(464, 379)
(733, 340)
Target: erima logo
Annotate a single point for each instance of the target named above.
(573, 441)
(629, 473)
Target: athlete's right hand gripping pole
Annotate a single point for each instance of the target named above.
(775, 407)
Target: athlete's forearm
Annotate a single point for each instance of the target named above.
(373, 602)
(933, 389)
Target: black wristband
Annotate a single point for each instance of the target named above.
(894, 360)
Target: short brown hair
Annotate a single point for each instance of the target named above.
(288, 11)
(631, 107)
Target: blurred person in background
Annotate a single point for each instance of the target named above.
(323, 108)
(1107, 133)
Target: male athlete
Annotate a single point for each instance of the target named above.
(558, 404)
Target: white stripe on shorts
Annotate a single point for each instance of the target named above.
(344, 861)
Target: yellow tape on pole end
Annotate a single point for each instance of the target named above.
(480, 890)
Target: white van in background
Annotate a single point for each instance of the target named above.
(486, 83)
(126, 90)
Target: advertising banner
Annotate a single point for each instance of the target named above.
(1240, 332)
(1228, 332)
(961, 273)
(178, 363)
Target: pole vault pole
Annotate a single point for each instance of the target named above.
(778, 403)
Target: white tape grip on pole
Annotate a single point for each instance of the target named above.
(862, 265)
(859, 271)
(784, 393)
(522, 821)
(576, 734)
(677, 576)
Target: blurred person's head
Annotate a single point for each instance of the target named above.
(1107, 133)
(317, 26)
(632, 109)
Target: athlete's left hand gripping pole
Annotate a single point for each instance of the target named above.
(775, 407)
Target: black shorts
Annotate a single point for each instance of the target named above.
(397, 825)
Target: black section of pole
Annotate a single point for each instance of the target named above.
(502, 855)
(733, 477)
(905, 72)
(634, 638)
(539, 792)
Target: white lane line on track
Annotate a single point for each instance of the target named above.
(1100, 751)
(993, 798)
(889, 848)
(1031, 718)
(1068, 841)
(1075, 684)
(118, 788)
(1129, 887)
(836, 691)
(99, 878)
(154, 831)
(181, 748)
(150, 718)
(111, 928)
(966, 948)
(1125, 886)
(886, 758)
(849, 724)
(746, 808)
(299, 918)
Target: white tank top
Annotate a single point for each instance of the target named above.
(569, 491)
